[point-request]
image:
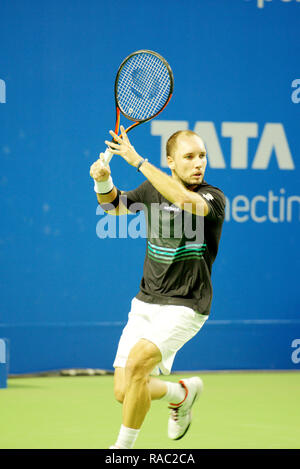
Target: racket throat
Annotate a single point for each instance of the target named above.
(117, 121)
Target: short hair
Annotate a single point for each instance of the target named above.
(171, 143)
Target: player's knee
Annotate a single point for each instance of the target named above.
(136, 369)
(141, 361)
(119, 394)
(119, 384)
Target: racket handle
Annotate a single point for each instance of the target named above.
(107, 157)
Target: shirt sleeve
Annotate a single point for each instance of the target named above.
(135, 199)
(215, 200)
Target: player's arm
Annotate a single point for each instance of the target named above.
(171, 189)
(103, 182)
(174, 191)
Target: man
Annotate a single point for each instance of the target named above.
(175, 292)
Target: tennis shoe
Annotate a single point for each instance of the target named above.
(181, 414)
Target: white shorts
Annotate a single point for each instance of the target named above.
(169, 327)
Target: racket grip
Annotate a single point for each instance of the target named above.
(107, 157)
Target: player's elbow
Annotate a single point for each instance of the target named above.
(182, 199)
(194, 203)
(185, 201)
(111, 209)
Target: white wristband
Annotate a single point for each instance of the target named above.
(104, 187)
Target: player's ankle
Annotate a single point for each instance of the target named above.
(127, 437)
(175, 393)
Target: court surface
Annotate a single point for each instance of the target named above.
(236, 410)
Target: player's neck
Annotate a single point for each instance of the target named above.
(192, 187)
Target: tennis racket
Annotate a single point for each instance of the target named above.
(143, 87)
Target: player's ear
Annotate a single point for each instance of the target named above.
(171, 162)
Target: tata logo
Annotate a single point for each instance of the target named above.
(2, 92)
(272, 143)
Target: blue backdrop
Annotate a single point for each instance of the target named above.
(65, 293)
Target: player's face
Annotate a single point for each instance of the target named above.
(188, 162)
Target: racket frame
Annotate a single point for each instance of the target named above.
(108, 154)
(119, 110)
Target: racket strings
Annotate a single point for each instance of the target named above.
(143, 86)
(158, 76)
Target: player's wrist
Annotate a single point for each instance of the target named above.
(140, 163)
(103, 187)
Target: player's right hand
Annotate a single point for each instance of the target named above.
(99, 171)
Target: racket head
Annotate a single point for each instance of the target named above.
(143, 86)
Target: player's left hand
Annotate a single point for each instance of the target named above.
(122, 146)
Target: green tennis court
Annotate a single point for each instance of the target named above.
(236, 410)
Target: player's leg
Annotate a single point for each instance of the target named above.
(119, 384)
(175, 326)
(169, 328)
(157, 388)
(166, 390)
(135, 389)
(141, 361)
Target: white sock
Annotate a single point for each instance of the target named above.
(127, 437)
(175, 393)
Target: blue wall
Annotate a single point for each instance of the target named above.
(65, 293)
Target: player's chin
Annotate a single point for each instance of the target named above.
(196, 179)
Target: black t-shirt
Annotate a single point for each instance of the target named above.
(181, 247)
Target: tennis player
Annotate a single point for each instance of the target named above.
(175, 292)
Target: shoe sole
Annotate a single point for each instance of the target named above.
(179, 437)
(195, 398)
